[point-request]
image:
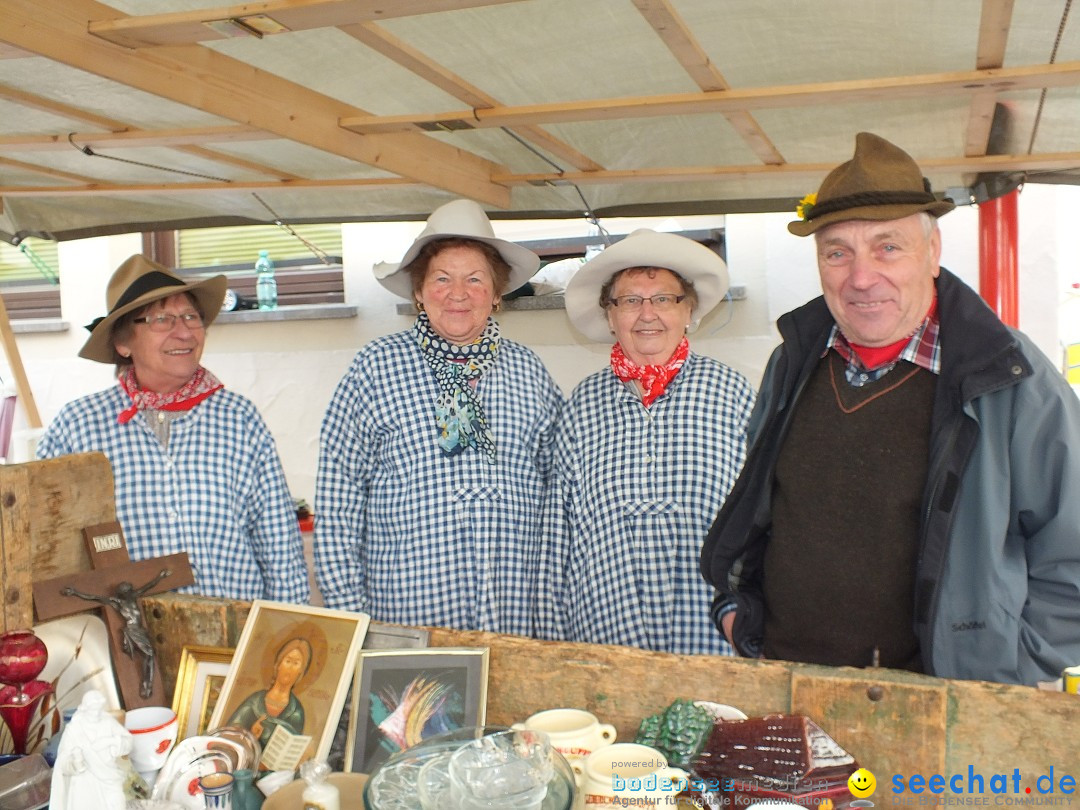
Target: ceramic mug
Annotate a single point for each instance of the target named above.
(629, 774)
(574, 733)
(153, 734)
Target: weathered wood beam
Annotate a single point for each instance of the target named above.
(679, 174)
(895, 88)
(993, 36)
(262, 18)
(413, 60)
(220, 85)
(680, 40)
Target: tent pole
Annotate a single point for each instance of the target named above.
(998, 275)
(22, 385)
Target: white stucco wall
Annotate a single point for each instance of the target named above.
(290, 369)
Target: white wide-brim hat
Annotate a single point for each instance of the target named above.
(467, 220)
(644, 248)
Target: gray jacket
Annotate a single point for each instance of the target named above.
(998, 580)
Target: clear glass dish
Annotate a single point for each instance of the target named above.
(398, 785)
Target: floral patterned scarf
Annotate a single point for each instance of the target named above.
(653, 379)
(201, 385)
(458, 412)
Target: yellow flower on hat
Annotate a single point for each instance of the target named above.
(806, 206)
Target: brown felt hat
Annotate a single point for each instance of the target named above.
(880, 182)
(138, 282)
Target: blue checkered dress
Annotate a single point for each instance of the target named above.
(411, 535)
(633, 495)
(217, 491)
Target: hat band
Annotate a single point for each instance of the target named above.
(148, 282)
(865, 198)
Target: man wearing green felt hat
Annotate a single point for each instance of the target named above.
(911, 496)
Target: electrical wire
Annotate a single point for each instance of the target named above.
(86, 150)
(590, 216)
(50, 275)
(1053, 58)
(318, 252)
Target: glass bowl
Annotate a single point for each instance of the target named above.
(412, 779)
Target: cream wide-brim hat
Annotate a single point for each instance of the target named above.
(644, 248)
(464, 219)
(140, 281)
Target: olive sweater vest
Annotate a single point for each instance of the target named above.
(839, 569)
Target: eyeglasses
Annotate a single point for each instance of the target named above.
(166, 322)
(662, 302)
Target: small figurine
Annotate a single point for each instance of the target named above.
(88, 774)
(136, 636)
(679, 732)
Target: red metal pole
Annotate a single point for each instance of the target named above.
(998, 266)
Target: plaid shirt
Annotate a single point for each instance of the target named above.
(217, 491)
(411, 535)
(923, 349)
(634, 493)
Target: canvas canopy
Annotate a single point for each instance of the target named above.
(137, 115)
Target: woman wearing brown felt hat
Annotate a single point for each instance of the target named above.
(195, 466)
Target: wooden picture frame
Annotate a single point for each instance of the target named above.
(445, 686)
(199, 681)
(289, 678)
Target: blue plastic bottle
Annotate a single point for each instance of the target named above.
(265, 283)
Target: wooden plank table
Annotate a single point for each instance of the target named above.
(893, 722)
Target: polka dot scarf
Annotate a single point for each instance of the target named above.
(653, 379)
(458, 412)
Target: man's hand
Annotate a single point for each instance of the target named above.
(727, 622)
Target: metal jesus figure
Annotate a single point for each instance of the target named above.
(136, 637)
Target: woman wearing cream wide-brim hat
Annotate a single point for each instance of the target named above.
(436, 445)
(195, 466)
(647, 451)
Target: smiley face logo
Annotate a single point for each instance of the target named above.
(862, 783)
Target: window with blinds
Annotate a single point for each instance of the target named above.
(303, 278)
(30, 280)
(237, 248)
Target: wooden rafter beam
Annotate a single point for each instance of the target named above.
(1064, 74)
(36, 169)
(266, 18)
(682, 43)
(215, 83)
(201, 187)
(24, 99)
(400, 52)
(134, 138)
(993, 35)
(237, 162)
(680, 174)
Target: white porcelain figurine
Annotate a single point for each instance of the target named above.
(88, 774)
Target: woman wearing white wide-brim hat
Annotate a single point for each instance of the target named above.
(646, 453)
(436, 445)
(195, 465)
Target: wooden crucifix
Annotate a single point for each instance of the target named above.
(117, 583)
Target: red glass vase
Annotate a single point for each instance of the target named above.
(22, 658)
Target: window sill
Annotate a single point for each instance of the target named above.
(31, 326)
(300, 312)
(524, 303)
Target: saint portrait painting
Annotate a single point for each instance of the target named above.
(289, 678)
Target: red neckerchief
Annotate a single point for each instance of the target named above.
(653, 379)
(201, 385)
(877, 356)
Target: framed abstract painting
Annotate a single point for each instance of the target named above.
(401, 697)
